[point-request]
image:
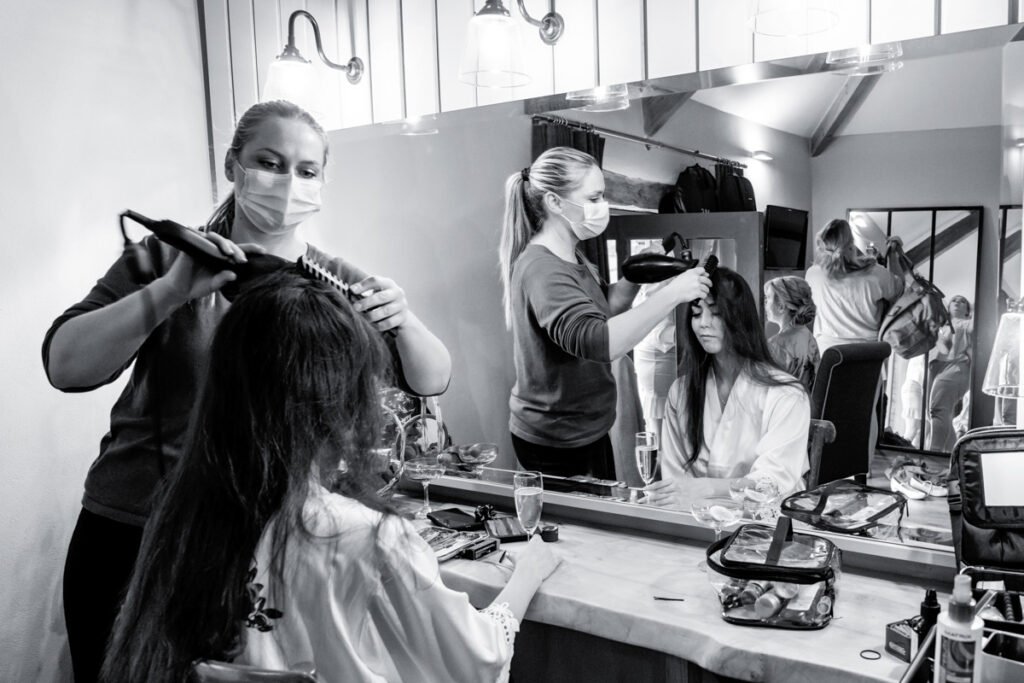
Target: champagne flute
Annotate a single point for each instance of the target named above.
(716, 512)
(424, 470)
(529, 493)
(647, 461)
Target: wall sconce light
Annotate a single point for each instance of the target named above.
(1002, 377)
(292, 77)
(761, 155)
(866, 60)
(493, 56)
(602, 98)
(788, 18)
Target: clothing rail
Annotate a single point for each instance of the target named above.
(646, 142)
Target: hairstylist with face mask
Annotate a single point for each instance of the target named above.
(276, 162)
(566, 324)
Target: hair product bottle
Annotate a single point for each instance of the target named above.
(958, 638)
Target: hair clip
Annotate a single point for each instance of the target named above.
(525, 174)
(484, 513)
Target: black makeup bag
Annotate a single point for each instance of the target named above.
(773, 577)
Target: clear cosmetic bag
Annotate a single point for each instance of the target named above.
(846, 507)
(773, 577)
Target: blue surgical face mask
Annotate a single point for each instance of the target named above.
(276, 202)
(595, 219)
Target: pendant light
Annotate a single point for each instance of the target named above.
(493, 54)
(292, 77)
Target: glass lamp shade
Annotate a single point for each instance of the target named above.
(493, 57)
(1002, 377)
(601, 98)
(787, 18)
(867, 60)
(297, 81)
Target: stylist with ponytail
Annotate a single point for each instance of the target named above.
(567, 325)
(276, 163)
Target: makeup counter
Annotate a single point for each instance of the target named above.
(629, 602)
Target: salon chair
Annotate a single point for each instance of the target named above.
(207, 671)
(845, 393)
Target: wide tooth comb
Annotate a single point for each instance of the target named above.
(711, 265)
(319, 272)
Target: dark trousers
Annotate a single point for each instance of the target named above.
(96, 573)
(595, 458)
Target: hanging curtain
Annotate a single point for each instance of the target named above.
(548, 134)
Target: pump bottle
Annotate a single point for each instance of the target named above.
(958, 638)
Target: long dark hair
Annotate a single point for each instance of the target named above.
(224, 215)
(744, 334)
(292, 392)
(559, 170)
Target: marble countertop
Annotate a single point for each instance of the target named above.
(607, 580)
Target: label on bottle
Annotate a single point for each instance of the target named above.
(956, 657)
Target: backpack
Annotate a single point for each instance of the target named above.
(735, 193)
(911, 325)
(697, 189)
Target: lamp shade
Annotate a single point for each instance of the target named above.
(493, 55)
(1002, 377)
(601, 98)
(297, 81)
(787, 18)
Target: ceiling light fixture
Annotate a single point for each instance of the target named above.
(761, 155)
(602, 98)
(788, 18)
(866, 60)
(292, 77)
(493, 55)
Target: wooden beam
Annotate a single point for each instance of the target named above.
(658, 110)
(946, 239)
(854, 91)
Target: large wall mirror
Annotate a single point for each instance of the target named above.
(920, 150)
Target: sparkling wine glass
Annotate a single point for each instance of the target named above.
(716, 512)
(529, 493)
(647, 461)
(424, 470)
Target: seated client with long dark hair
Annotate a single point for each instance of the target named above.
(734, 413)
(271, 546)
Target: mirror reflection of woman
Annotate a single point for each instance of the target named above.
(567, 325)
(162, 331)
(950, 370)
(788, 304)
(733, 413)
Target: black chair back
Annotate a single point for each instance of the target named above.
(845, 393)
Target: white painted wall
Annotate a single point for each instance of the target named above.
(103, 110)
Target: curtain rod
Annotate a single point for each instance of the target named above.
(646, 142)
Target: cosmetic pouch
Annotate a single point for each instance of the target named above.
(846, 507)
(773, 577)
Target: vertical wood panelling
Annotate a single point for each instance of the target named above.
(620, 27)
(218, 65)
(671, 37)
(452, 17)
(387, 60)
(964, 15)
(243, 56)
(576, 51)
(331, 80)
(901, 19)
(420, 57)
(267, 37)
(851, 29)
(725, 37)
(356, 100)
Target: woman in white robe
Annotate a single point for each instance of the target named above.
(734, 414)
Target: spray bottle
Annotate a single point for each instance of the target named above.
(958, 638)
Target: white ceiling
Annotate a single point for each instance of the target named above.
(963, 90)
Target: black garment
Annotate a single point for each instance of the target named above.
(99, 564)
(595, 458)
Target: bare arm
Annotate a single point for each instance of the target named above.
(621, 296)
(534, 564)
(626, 329)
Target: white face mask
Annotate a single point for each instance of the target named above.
(277, 202)
(595, 219)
